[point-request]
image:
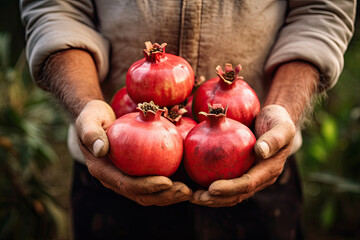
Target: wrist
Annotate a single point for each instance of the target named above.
(71, 76)
(293, 87)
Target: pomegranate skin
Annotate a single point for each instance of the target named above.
(121, 103)
(142, 145)
(240, 98)
(188, 107)
(218, 148)
(176, 116)
(161, 77)
(184, 125)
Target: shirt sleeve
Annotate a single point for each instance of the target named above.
(316, 31)
(55, 25)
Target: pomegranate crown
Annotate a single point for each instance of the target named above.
(154, 49)
(150, 107)
(215, 110)
(230, 75)
(175, 113)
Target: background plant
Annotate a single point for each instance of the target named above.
(28, 124)
(330, 156)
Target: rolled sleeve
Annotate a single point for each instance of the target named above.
(57, 25)
(318, 32)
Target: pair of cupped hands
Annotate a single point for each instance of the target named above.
(274, 130)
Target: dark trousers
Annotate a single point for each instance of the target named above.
(99, 213)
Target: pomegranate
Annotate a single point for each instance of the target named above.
(161, 77)
(145, 143)
(229, 90)
(187, 104)
(121, 103)
(218, 148)
(183, 124)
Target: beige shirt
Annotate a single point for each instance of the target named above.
(258, 34)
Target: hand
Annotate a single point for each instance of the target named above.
(275, 132)
(91, 126)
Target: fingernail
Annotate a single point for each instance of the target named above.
(264, 149)
(204, 197)
(164, 186)
(97, 147)
(180, 194)
(214, 192)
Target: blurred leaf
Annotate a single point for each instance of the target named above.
(46, 152)
(317, 150)
(27, 120)
(330, 132)
(328, 214)
(58, 215)
(4, 50)
(7, 220)
(338, 183)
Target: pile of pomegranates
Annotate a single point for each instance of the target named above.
(204, 127)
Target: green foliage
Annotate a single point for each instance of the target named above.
(27, 209)
(330, 156)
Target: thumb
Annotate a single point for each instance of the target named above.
(280, 132)
(91, 125)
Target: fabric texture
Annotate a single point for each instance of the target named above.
(317, 31)
(56, 25)
(258, 34)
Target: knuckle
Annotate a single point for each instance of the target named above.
(92, 171)
(278, 141)
(275, 172)
(234, 203)
(140, 200)
(91, 168)
(252, 183)
(272, 181)
(79, 120)
(118, 184)
(253, 186)
(278, 171)
(292, 128)
(88, 134)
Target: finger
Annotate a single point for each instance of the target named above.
(231, 187)
(145, 185)
(262, 174)
(204, 198)
(280, 135)
(197, 195)
(111, 177)
(179, 192)
(91, 125)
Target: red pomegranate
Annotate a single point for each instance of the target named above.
(183, 124)
(229, 90)
(122, 104)
(187, 104)
(218, 148)
(145, 143)
(161, 77)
